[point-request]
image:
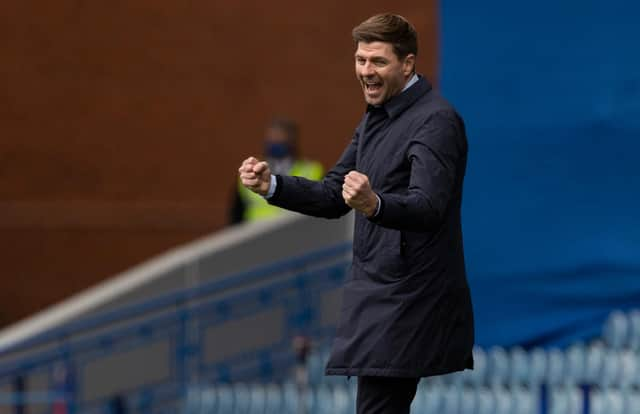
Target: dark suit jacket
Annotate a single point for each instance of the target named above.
(406, 308)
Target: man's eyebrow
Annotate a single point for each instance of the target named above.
(378, 58)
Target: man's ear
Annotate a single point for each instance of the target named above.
(409, 64)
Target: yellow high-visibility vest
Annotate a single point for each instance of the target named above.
(257, 208)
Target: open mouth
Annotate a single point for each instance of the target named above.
(373, 87)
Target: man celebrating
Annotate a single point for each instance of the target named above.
(406, 309)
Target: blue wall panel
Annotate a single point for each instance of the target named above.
(550, 92)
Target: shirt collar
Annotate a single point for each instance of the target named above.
(413, 80)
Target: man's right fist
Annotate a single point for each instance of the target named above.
(255, 175)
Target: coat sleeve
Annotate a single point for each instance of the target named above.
(437, 154)
(317, 198)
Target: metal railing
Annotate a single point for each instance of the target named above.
(60, 366)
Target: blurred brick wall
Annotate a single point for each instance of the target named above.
(122, 123)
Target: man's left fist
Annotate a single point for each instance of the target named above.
(357, 193)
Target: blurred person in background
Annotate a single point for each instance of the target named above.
(281, 152)
(19, 389)
(63, 388)
(117, 405)
(406, 309)
(301, 345)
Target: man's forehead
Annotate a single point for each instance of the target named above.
(374, 48)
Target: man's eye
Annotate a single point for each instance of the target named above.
(380, 63)
(360, 61)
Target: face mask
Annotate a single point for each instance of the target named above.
(277, 149)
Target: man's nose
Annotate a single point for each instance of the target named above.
(367, 70)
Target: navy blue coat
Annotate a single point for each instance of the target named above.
(406, 308)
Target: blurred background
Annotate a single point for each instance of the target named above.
(139, 279)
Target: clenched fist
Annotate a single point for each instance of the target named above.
(357, 193)
(255, 175)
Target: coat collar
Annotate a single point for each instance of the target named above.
(397, 104)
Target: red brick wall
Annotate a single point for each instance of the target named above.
(122, 123)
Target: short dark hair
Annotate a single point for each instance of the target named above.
(389, 28)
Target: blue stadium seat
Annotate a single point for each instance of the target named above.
(614, 401)
(208, 401)
(273, 400)
(576, 400)
(193, 401)
(611, 369)
(322, 400)
(597, 403)
(467, 401)
(258, 397)
(565, 400)
(451, 400)
(486, 401)
(433, 398)
(454, 378)
(418, 403)
(576, 360)
(632, 401)
(537, 367)
(628, 369)
(555, 367)
(634, 329)
(498, 366)
(342, 401)
(595, 359)
(478, 375)
(519, 364)
(503, 400)
(241, 398)
(308, 399)
(525, 400)
(608, 401)
(616, 330)
(224, 398)
(290, 398)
